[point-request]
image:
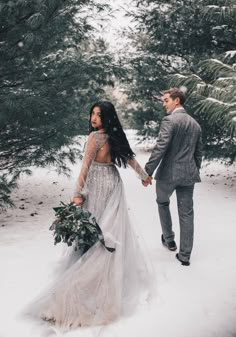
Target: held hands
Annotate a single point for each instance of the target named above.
(147, 181)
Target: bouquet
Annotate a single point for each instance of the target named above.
(75, 225)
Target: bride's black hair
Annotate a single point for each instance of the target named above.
(119, 145)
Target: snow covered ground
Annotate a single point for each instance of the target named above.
(196, 301)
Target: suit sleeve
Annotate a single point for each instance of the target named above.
(163, 141)
(198, 151)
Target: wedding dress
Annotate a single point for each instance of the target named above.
(100, 286)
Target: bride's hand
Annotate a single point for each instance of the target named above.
(78, 200)
(147, 181)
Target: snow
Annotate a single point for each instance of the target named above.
(112, 31)
(221, 63)
(180, 76)
(214, 100)
(225, 78)
(196, 301)
(230, 53)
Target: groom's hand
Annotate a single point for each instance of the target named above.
(147, 181)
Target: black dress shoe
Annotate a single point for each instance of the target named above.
(170, 245)
(184, 263)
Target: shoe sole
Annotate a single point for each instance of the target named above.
(171, 249)
(184, 263)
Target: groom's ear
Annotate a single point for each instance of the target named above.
(177, 100)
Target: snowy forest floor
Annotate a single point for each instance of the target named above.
(196, 301)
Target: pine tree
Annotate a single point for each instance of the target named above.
(212, 89)
(170, 38)
(52, 69)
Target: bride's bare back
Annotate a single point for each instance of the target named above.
(103, 154)
(98, 150)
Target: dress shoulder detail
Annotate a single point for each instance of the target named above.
(100, 138)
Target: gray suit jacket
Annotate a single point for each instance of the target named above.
(178, 150)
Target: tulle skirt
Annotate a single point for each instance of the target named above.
(99, 287)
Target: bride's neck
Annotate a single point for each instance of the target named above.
(101, 130)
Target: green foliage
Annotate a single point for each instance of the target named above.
(182, 28)
(177, 43)
(212, 92)
(6, 187)
(52, 69)
(74, 225)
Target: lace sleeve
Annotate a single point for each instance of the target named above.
(138, 169)
(89, 156)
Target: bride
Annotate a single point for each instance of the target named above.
(99, 287)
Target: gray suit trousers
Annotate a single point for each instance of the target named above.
(184, 196)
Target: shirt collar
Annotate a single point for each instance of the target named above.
(181, 109)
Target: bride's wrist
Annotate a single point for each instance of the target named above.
(81, 197)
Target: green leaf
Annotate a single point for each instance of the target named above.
(66, 230)
(58, 238)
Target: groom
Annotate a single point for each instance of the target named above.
(178, 151)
